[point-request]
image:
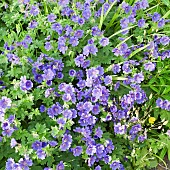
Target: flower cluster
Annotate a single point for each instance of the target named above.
(71, 93)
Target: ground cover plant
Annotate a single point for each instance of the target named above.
(84, 84)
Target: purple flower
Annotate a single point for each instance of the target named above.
(25, 163)
(81, 21)
(98, 132)
(34, 10)
(52, 143)
(74, 41)
(51, 18)
(138, 78)
(104, 42)
(66, 142)
(72, 73)
(156, 16)
(8, 132)
(41, 154)
(48, 46)
(57, 27)
(141, 23)
(116, 165)
(149, 66)
(124, 22)
(96, 109)
(37, 145)
(60, 75)
(120, 129)
(108, 80)
(63, 3)
(88, 106)
(48, 74)
(79, 59)
(96, 31)
(135, 129)
(10, 164)
(168, 133)
(25, 84)
(79, 34)
(33, 24)
(161, 23)
(60, 166)
(116, 68)
(42, 108)
(77, 150)
(144, 4)
(5, 102)
(62, 48)
(126, 7)
(91, 150)
(91, 160)
(164, 40)
(48, 92)
(28, 39)
(13, 143)
(86, 13)
(98, 167)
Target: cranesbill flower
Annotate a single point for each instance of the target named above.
(116, 68)
(116, 165)
(108, 80)
(13, 143)
(96, 109)
(79, 33)
(149, 66)
(91, 150)
(74, 41)
(138, 78)
(25, 163)
(141, 23)
(33, 24)
(120, 129)
(37, 145)
(63, 3)
(91, 161)
(156, 16)
(10, 164)
(98, 167)
(98, 132)
(104, 42)
(81, 21)
(25, 84)
(48, 74)
(86, 13)
(72, 73)
(52, 143)
(51, 17)
(161, 23)
(164, 40)
(124, 22)
(62, 48)
(41, 154)
(5, 102)
(60, 166)
(96, 31)
(135, 129)
(126, 7)
(144, 4)
(57, 27)
(34, 10)
(77, 150)
(48, 46)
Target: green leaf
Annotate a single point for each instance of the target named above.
(3, 59)
(166, 2)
